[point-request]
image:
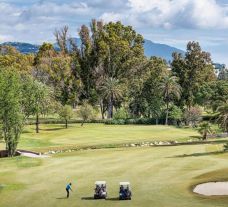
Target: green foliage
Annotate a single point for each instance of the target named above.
(121, 113)
(10, 108)
(111, 91)
(176, 114)
(192, 70)
(223, 117)
(86, 112)
(146, 98)
(11, 58)
(212, 94)
(37, 99)
(109, 69)
(205, 129)
(171, 91)
(66, 113)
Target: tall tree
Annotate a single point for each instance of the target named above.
(223, 117)
(10, 108)
(192, 70)
(62, 39)
(112, 91)
(55, 70)
(107, 51)
(37, 99)
(171, 91)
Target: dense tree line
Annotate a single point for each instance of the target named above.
(107, 70)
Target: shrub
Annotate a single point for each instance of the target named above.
(86, 112)
(193, 116)
(176, 114)
(121, 114)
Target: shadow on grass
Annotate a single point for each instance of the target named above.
(112, 199)
(60, 198)
(53, 129)
(27, 132)
(88, 198)
(92, 198)
(199, 154)
(196, 137)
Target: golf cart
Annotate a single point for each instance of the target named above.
(125, 191)
(100, 191)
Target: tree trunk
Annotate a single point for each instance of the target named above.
(156, 121)
(102, 109)
(167, 113)
(37, 123)
(110, 108)
(205, 136)
(66, 123)
(10, 149)
(82, 123)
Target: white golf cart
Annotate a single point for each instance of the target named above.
(100, 191)
(125, 191)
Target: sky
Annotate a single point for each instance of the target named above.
(172, 22)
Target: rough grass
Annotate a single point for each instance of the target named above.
(98, 134)
(159, 177)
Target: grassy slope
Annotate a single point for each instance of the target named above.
(159, 177)
(98, 134)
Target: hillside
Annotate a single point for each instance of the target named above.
(151, 48)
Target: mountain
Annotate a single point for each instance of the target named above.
(151, 48)
(23, 47)
(160, 50)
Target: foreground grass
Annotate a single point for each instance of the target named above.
(160, 177)
(98, 134)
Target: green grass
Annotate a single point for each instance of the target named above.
(159, 177)
(51, 136)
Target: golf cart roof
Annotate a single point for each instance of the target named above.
(124, 183)
(100, 183)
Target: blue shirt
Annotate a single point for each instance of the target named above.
(68, 187)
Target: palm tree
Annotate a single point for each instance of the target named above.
(112, 91)
(171, 90)
(223, 117)
(205, 129)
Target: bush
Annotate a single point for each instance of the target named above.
(140, 121)
(115, 122)
(176, 114)
(86, 112)
(121, 114)
(193, 116)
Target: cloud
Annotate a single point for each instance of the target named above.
(173, 22)
(37, 22)
(168, 14)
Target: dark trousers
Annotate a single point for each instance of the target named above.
(68, 193)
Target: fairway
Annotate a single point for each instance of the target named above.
(159, 176)
(55, 136)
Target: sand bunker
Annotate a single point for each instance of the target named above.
(212, 189)
(32, 155)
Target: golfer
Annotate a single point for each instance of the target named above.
(68, 188)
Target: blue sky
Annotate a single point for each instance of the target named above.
(173, 22)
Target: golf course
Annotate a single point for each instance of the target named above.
(159, 176)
